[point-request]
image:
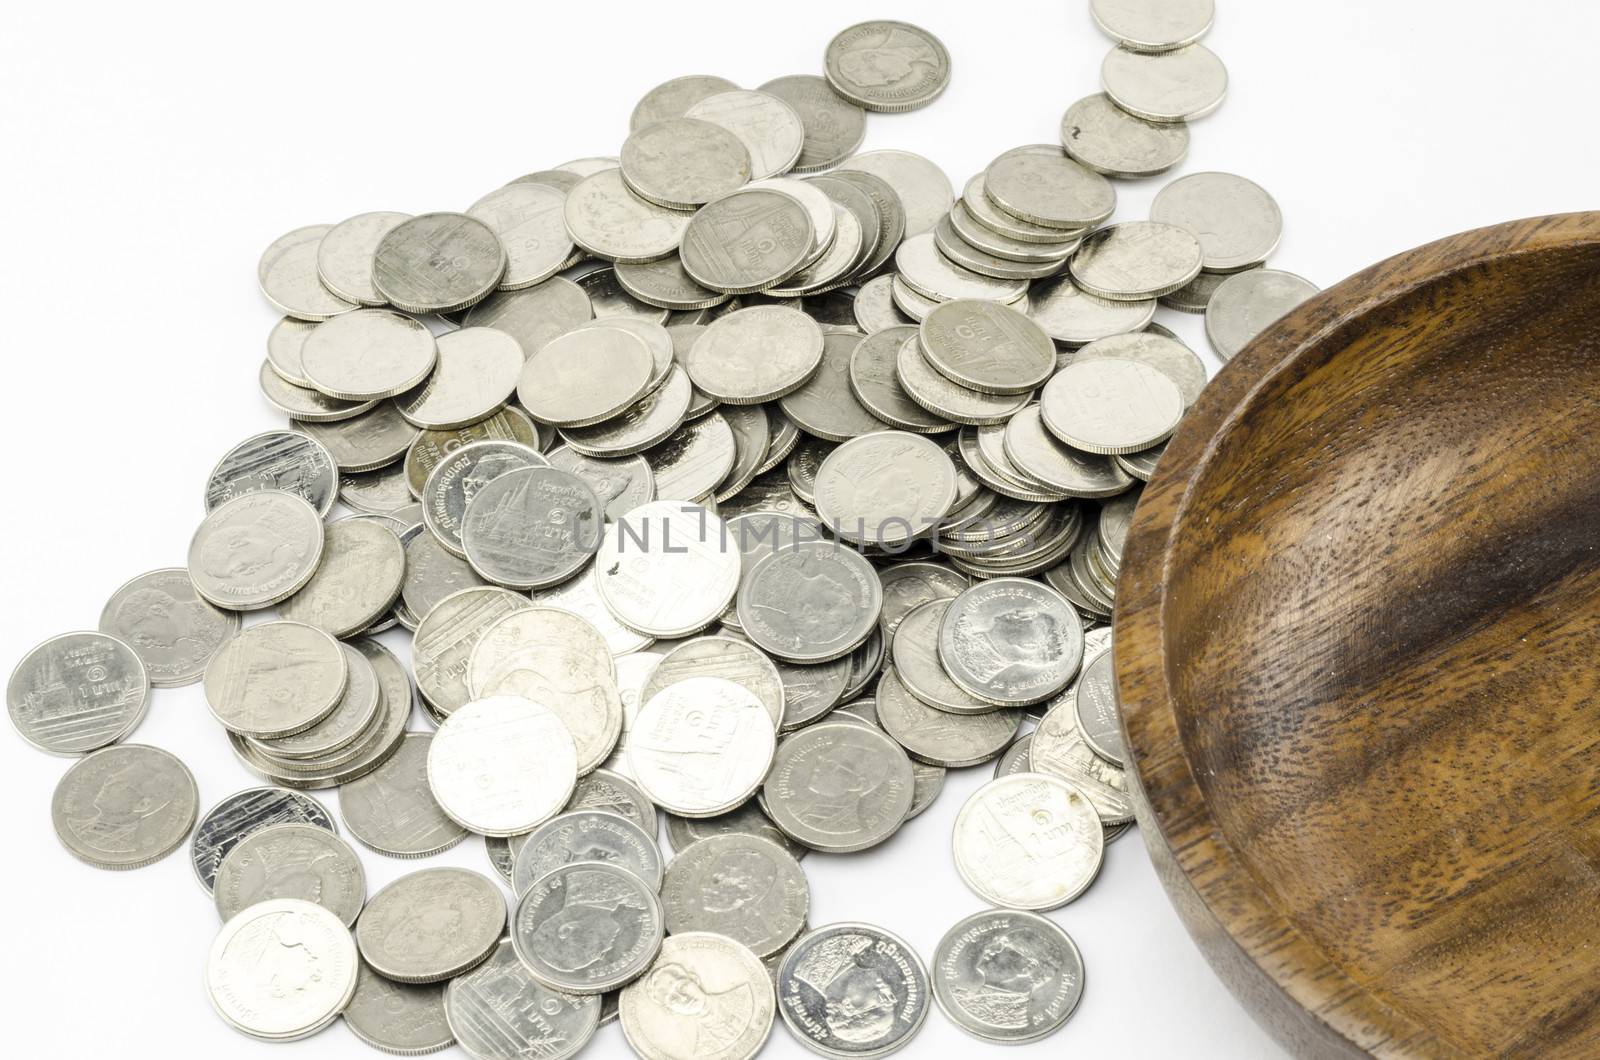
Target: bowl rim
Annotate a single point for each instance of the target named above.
(1199, 863)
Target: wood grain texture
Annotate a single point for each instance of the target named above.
(1357, 636)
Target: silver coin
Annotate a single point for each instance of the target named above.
(606, 218)
(392, 810)
(605, 791)
(885, 488)
(586, 836)
(1004, 975)
(1180, 85)
(1246, 304)
(825, 406)
(701, 746)
(300, 996)
(1141, 465)
(563, 180)
(834, 267)
(303, 404)
(534, 315)
(975, 199)
(839, 787)
(906, 586)
(741, 886)
(581, 596)
(531, 528)
(255, 550)
(529, 220)
(987, 347)
(748, 241)
(684, 162)
(287, 273)
(748, 819)
(834, 127)
(909, 302)
(810, 602)
(499, 1011)
(478, 765)
(476, 373)
(276, 679)
(438, 263)
(732, 1024)
(761, 531)
(874, 306)
(166, 623)
(621, 484)
(375, 438)
(694, 460)
(344, 256)
(587, 927)
(723, 657)
(974, 237)
(937, 736)
(446, 637)
(931, 390)
(402, 1019)
(1011, 641)
(801, 467)
(1049, 190)
(969, 256)
(666, 284)
(358, 580)
(887, 208)
(404, 937)
(124, 807)
(1038, 453)
(1108, 405)
(381, 492)
(1168, 356)
(633, 670)
(771, 131)
(887, 66)
(1072, 316)
(355, 714)
(1101, 136)
(585, 376)
(455, 480)
(752, 437)
(672, 98)
(919, 665)
(666, 569)
(1094, 703)
(1028, 841)
(1136, 260)
(1237, 222)
(275, 460)
(292, 861)
(853, 990)
(1015, 759)
(432, 573)
(1153, 25)
(1060, 750)
(609, 299)
(242, 814)
(1194, 296)
(926, 270)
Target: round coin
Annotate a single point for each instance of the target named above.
(275, 460)
(498, 1011)
(1109, 406)
(78, 692)
(585, 376)
(344, 256)
(357, 711)
(941, 396)
(732, 1024)
(923, 189)
(1179, 85)
(302, 404)
(747, 241)
(125, 807)
(810, 602)
(838, 787)
(926, 270)
(1136, 260)
(1028, 841)
(1011, 641)
(1094, 704)
(834, 127)
(1004, 975)
(276, 679)
(587, 927)
(1153, 25)
(479, 765)
(446, 637)
(242, 814)
(477, 372)
(363, 566)
(1060, 750)
(701, 746)
(937, 736)
(684, 162)
(1244, 305)
(453, 483)
(376, 438)
(305, 993)
(401, 1019)
(886, 488)
(852, 990)
(667, 569)
(1099, 135)
(1041, 455)
(528, 218)
(1049, 190)
(534, 315)
(255, 550)
(608, 220)
(769, 129)
(292, 861)
(987, 347)
(742, 886)
(724, 657)
(586, 836)
(431, 925)
(531, 528)
(621, 484)
(287, 273)
(392, 809)
(826, 407)
(1168, 356)
(887, 66)
(438, 263)
(671, 99)
(920, 666)
(756, 354)
(1237, 222)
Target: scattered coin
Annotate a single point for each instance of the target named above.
(477, 372)
(581, 596)
(276, 679)
(940, 737)
(1101, 136)
(380, 492)
(586, 836)
(658, 1023)
(344, 255)
(701, 746)
(666, 570)
(403, 1019)
(742, 886)
(885, 488)
(825, 406)
(392, 809)
(1028, 841)
(610, 792)
(275, 460)
(942, 396)
(587, 927)
(78, 692)
(478, 765)
(355, 713)
(446, 637)
(1059, 749)
(1246, 304)
(287, 273)
(1168, 356)
(255, 550)
(528, 218)
(852, 990)
(1179, 85)
(747, 241)
(887, 66)
(1094, 704)
(242, 814)
(533, 315)
(1136, 260)
(261, 1005)
(1049, 190)
(1005, 975)
(987, 347)
(454, 481)
(839, 788)
(292, 861)
(723, 657)
(375, 438)
(755, 354)
(1153, 25)
(498, 1011)
(1108, 405)
(125, 807)
(672, 98)
(438, 263)
(694, 459)
(834, 127)
(356, 582)
(304, 405)
(926, 270)
(1237, 222)
(608, 220)
(769, 128)
(810, 602)
(1011, 641)
(684, 162)
(1036, 452)
(403, 937)
(531, 528)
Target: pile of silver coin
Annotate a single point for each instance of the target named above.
(711, 493)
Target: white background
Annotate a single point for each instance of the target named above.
(151, 154)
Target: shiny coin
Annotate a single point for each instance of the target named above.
(874, 306)
(78, 692)
(741, 886)
(672, 98)
(701, 746)
(454, 481)
(825, 406)
(734, 1022)
(292, 861)
(834, 127)
(374, 439)
(478, 766)
(404, 936)
(287, 273)
(476, 374)
(621, 484)
(528, 219)
(724, 658)
(585, 376)
(608, 220)
(1141, 465)
(1049, 190)
(928, 388)
(241, 815)
(275, 460)
(276, 679)
(887, 208)
(1011, 641)
(1153, 25)
(1168, 356)
(255, 550)
(937, 736)
(919, 666)
(887, 66)
(852, 990)
(748, 241)
(914, 305)
(982, 210)
(1136, 260)
(500, 1012)
(832, 270)
(1247, 304)
(1180, 85)
(446, 637)
(357, 581)
(694, 460)
(304, 994)
(684, 162)
(303, 404)
(838, 787)
(1074, 317)
(402, 1019)
(761, 531)
(535, 315)
(1101, 136)
(587, 927)
(1237, 222)
(586, 835)
(355, 714)
(987, 347)
(1060, 750)
(392, 810)
(1028, 841)
(1111, 406)
(344, 256)
(1015, 759)
(1094, 704)
(1036, 452)
(769, 128)
(665, 283)
(1004, 975)
(923, 190)
(885, 488)
(531, 528)
(438, 263)
(927, 271)
(755, 354)
(124, 807)
(666, 569)
(810, 602)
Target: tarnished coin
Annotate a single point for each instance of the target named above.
(438, 263)
(701, 746)
(479, 765)
(392, 809)
(403, 1019)
(684, 162)
(1244, 305)
(666, 284)
(748, 819)
(1136, 260)
(344, 256)
(1108, 405)
(1237, 222)
(1044, 457)
(667, 569)
(534, 315)
(446, 637)
(432, 573)
(1153, 25)
(275, 460)
(741, 886)
(376, 438)
(276, 679)
(621, 484)
(1060, 750)
(581, 596)
(940, 737)
(531, 528)
(528, 218)
(1011, 641)
(380, 492)
(834, 127)
(586, 835)
(874, 306)
(931, 390)
(1028, 841)
(724, 657)
(241, 815)
(672, 98)
(825, 406)
(585, 376)
(302, 404)
(987, 347)
(1004, 975)
(605, 791)
(355, 714)
(498, 1011)
(1101, 136)
(838, 787)
(587, 927)
(255, 550)
(608, 220)
(853, 990)
(1179, 85)
(1168, 356)
(810, 602)
(476, 374)
(78, 692)
(610, 300)
(1049, 190)
(706, 997)
(431, 925)
(885, 488)
(455, 480)
(748, 241)
(769, 128)
(287, 273)
(909, 585)
(756, 354)
(292, 861)
(125, 807)
(358, 580)
(926, 270)
(281, 970)
(919, 665)
(1094, 704)
(887, 66)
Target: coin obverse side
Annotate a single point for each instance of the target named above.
(1011, 641)
(294, 1003)
(1005, 975)
(403, 936)
(585, 835)
(242, 814)
(255, 550)
(853, 990)
(125, 807)
(498, 1011)
(810, 602)
(804, 799)
(659, 1021)
(587, 927)
(887, 66)
(292, 861)
(78, 692)
(742, 886)
(359, 578)
(402, 1019)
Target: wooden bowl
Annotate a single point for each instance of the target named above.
(1358, 655)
